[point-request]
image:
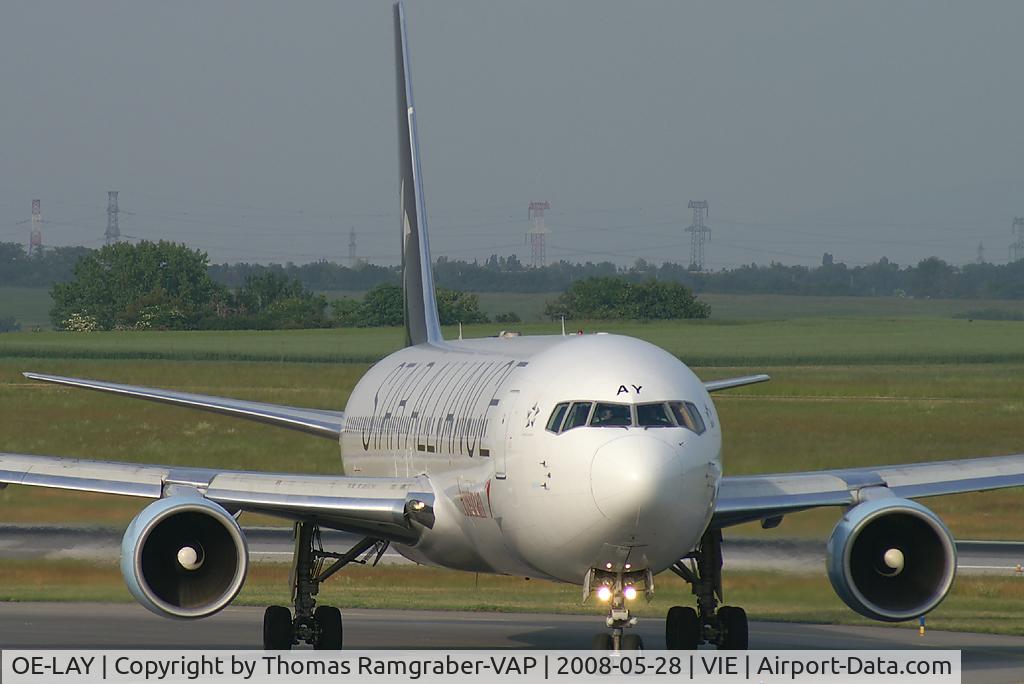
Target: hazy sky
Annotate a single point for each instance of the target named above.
(265, 131)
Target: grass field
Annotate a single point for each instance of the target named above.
(780, 307)
(29, 306)
(805, 341)
(847, 391)
(991, 605)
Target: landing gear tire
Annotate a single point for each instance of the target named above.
(725, 627)
(733, 623)
(682, 629)
(277, 629)
(328, 621)
(632, 642)
(318, 626)
(601, 642)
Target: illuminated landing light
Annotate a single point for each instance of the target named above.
(189, 558)
(608, 565)
(604, 593)
(629, 592)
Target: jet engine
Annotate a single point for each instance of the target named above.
(184, 557)
(891, 559)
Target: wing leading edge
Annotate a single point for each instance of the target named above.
(380, 507)
(327, 424)
(729, 383)
(760, 497)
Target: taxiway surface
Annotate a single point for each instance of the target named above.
(987, 659)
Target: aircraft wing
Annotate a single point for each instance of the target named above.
(729, 383)
(380, 507)
(760, 497)
(313, 421)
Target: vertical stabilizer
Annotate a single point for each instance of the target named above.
(421, 319)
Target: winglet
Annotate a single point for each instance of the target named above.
(422, 323)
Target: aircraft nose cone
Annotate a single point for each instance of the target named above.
(636, 479)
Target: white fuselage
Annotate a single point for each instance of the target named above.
(513, 497)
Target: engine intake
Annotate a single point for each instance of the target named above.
(891, 559)
(184, 557)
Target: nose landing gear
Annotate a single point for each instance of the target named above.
(725, 627)
(617, 587)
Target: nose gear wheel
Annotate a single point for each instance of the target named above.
(617, 580)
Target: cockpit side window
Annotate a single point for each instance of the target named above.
(698, 420)
(555, 421)
(681, 415)
(688, 416)
(612, 415)
(578, 414)
(653, 415)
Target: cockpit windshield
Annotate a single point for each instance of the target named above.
(611, 415)
(653, 415)
(568, 415)
(578, 414)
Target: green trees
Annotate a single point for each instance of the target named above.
(610, 298)
(158, 285)
(318, 275)
(930, 277)
(383, 306)
(164, 285)
(455, 307)
(53, 265)
(273, 301)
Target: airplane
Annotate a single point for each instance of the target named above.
(587, 459)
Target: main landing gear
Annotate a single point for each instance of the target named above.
(686, 628)
(319, 626)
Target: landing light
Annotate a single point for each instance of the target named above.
(629, 592)
(604, 593)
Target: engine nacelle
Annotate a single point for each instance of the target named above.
(184, 557)
(891, 559)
